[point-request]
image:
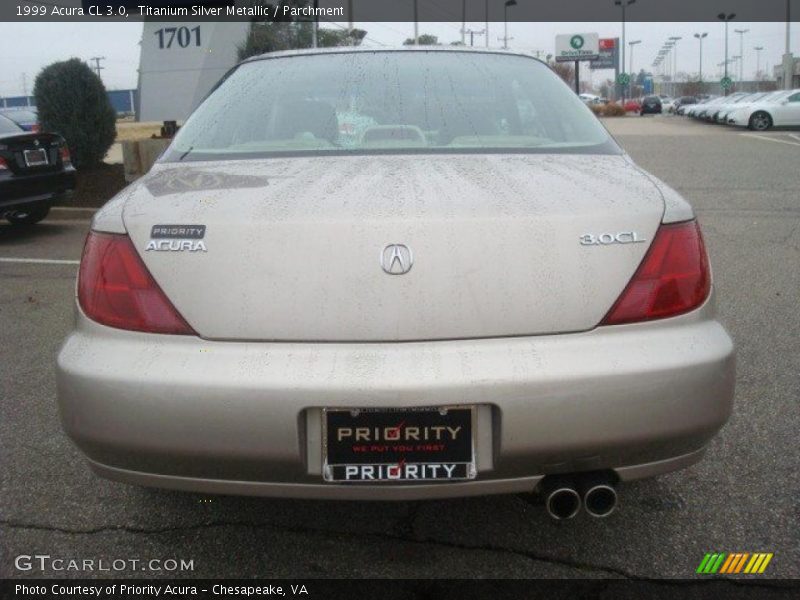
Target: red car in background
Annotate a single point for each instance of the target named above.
(632, 106)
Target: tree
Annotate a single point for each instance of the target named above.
(275, 36)
(426, 39)
(565, 70)
(286, 33)
(72, 101)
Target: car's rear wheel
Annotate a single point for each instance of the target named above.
(28, 217)
(760, 121)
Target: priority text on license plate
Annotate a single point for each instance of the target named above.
(398, 444)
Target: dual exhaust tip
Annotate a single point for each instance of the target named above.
(564, 496)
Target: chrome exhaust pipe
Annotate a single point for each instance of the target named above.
(599, 496)
(561, 499)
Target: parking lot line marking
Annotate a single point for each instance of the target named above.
(75, 209)
(39, 261)
(794, 136)
(769, 139)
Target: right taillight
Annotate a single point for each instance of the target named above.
(672, 279)
(116, 289)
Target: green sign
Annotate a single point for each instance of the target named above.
(623, 79)
(726, 82)
(577, 42)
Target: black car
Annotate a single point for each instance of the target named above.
(651, 105)
(35, 171)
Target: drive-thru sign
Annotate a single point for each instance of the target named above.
(573, 47)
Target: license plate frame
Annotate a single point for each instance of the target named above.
(36, 157)
(431, 460)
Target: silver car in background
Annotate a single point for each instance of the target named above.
(395, 274)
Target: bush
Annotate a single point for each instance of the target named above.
(72, 101)
(597, 109)
(612, 109)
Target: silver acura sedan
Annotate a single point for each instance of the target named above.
(395, 274)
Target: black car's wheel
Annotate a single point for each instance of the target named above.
(760, 121)
(28, 217)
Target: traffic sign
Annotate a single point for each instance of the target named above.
(623, 79)
(726, 82)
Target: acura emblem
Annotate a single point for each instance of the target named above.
(396, 259)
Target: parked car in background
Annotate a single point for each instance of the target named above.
(651, 105)
(711, 106)
(721, 116)
(667, 103)
(632, 105)
(35, 171)
(590, 99)
(779, 110)
(683, 101)
(466, 298)
(27, 118)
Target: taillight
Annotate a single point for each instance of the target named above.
(3, 164)
(116, 289)
(65, 155)
(36, 128)
(672, 279)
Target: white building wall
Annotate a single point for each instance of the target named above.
(178, 68)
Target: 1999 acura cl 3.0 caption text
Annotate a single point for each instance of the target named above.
(394, 275)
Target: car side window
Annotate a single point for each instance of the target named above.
(794, 97)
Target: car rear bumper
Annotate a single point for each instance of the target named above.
(35, 189)
(234, 417)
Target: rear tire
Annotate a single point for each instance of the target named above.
(28, 217)
(760, 121)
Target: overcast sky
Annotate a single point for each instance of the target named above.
(27, 47)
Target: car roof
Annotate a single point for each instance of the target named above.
(364, 49)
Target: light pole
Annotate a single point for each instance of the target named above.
(623, 4)
(700, 37)
(668, 58)
(726, 18)
(788, 59)
(505, 21)
(487, 23)
(632, 44)
(674, 41)
(741, 33)
(463, 22)
(758, 50)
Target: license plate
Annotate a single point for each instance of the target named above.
(35, 158)
(398, 444)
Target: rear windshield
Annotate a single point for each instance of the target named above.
(21, 116)
(8, 126)
(387, 102)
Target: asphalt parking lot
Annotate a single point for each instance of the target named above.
(744, 497)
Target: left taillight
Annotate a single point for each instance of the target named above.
(66, 158)
(3, 164)
(116, 289)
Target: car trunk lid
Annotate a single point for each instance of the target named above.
(291, 247)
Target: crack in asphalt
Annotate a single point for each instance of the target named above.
(407, 525)
(404, 532)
